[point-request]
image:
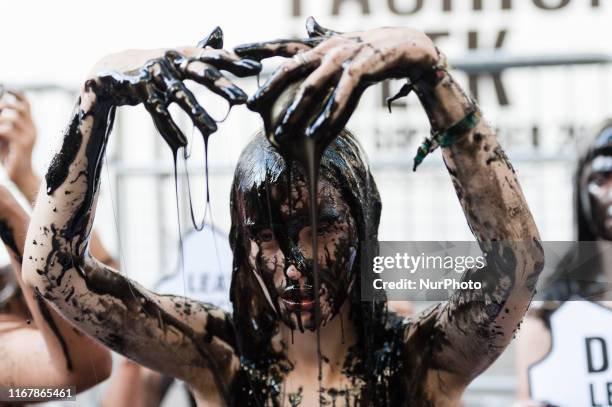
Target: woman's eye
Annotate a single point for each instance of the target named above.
(598, 179)
(266, 235)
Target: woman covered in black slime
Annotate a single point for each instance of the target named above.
(299, 334)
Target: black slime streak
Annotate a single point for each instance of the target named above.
(198, 226)
(311, 164)
(58, 170)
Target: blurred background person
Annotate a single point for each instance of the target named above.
(583, 274)
(38, 347)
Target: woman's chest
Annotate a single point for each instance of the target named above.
(334, 389)
(350, 384)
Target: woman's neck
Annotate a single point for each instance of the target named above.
(335, 338)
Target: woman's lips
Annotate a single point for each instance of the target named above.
(298, 298)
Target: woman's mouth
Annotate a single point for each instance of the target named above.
(298, 298)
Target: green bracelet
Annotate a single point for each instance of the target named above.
(448, 137)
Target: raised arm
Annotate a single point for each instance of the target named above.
(459, 339)
(474, 327)
(174, 335)
(48, 351)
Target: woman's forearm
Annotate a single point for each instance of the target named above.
(482, 175)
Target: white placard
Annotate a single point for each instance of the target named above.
(578, 369)
(207, 270)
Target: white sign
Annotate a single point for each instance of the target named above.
(578, 369)
(207, 270)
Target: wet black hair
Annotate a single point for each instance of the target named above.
(344, 165)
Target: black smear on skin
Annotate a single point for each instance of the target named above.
(7, 236)
(106, 282)
(44, 311)
(311, 161)
(60, 164)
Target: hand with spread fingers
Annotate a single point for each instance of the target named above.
(334, 69)
(155, 79)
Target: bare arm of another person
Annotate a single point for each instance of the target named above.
(453, 343)
(49, 351)
(133, 385)
(533, 343)
(174, 335)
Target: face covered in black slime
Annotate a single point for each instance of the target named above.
(595, 189)
(271, 234)
(281, 256)
(275, 220)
